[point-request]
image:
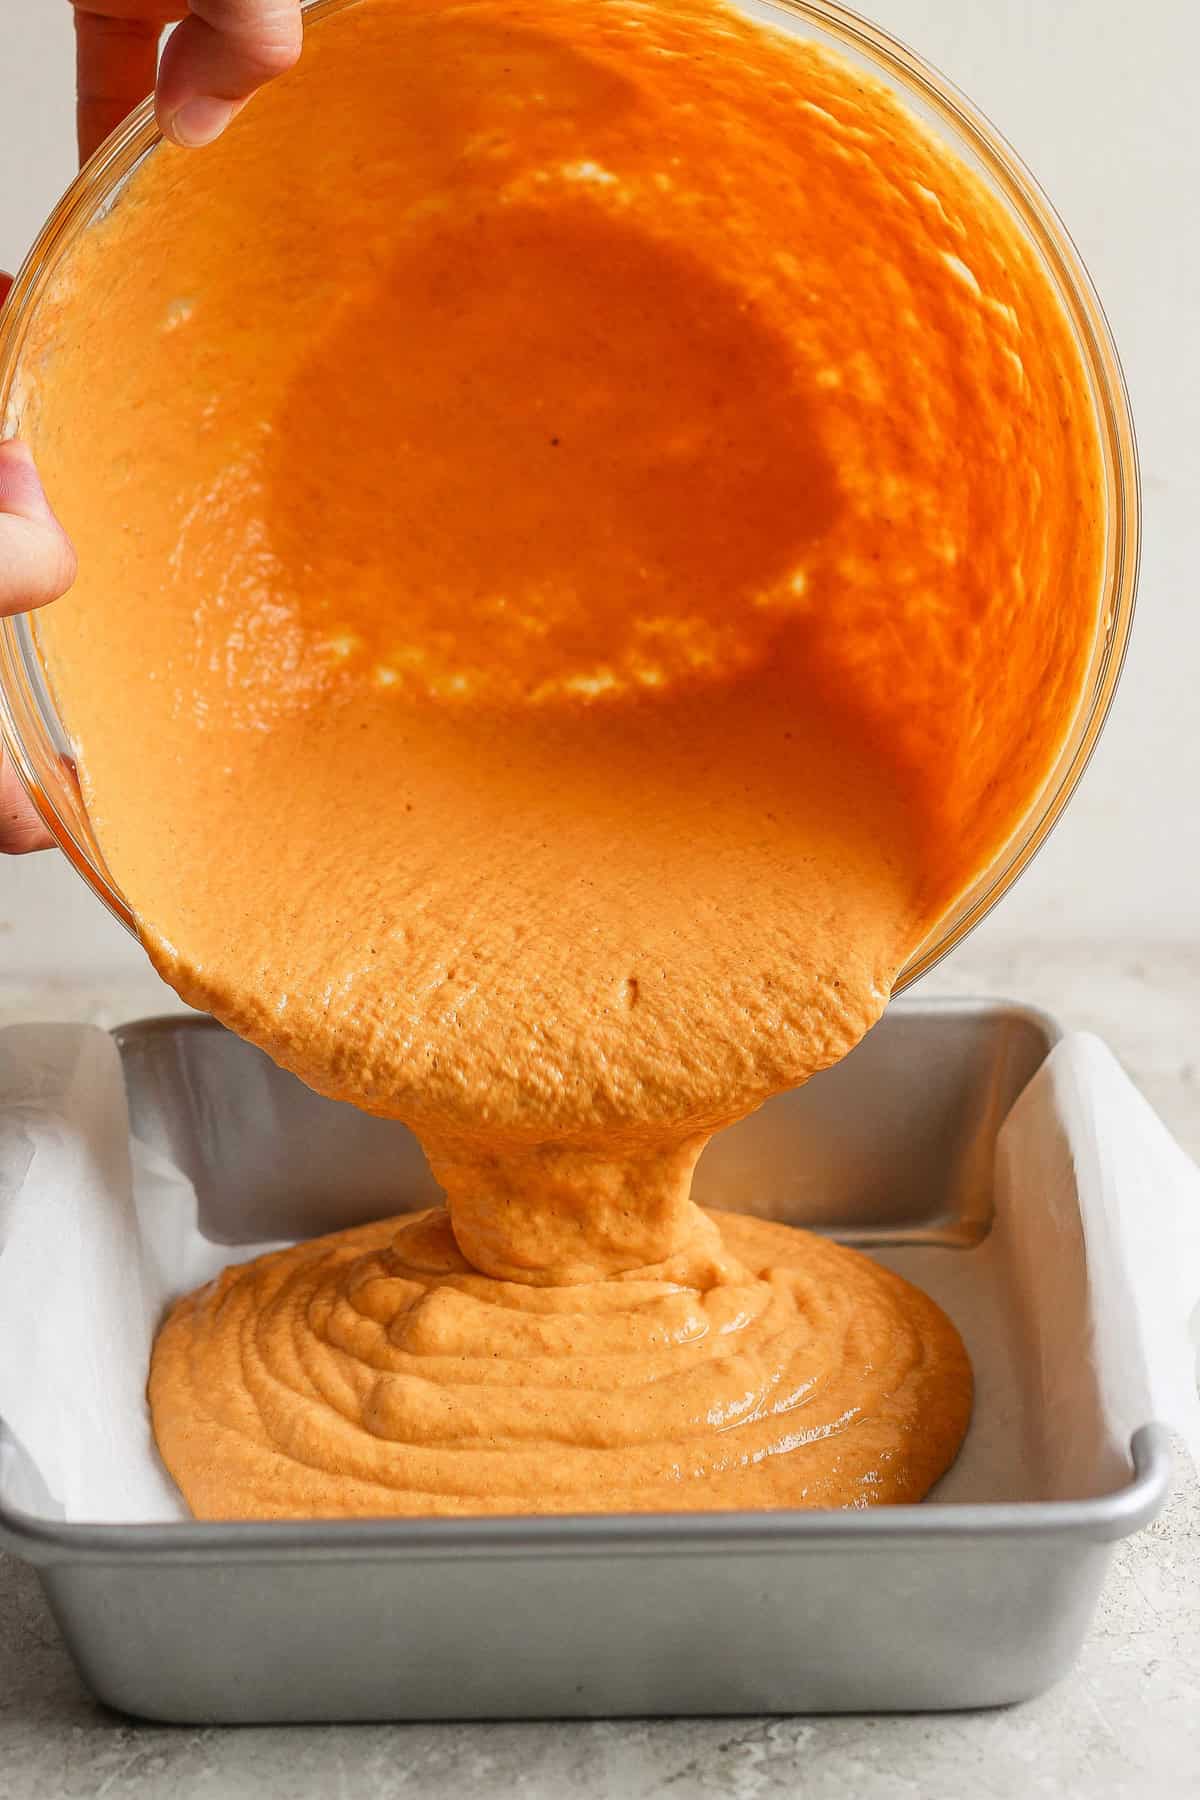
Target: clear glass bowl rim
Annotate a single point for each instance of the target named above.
(27, 719)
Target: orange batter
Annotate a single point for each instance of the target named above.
(761, 1367)
(591, 538)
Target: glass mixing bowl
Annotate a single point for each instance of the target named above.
(35, 734)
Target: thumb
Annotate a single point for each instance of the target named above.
(37, 562)
(220, 55)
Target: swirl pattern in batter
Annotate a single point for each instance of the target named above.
(758, 1367)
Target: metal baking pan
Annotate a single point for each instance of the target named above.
(978, 1597)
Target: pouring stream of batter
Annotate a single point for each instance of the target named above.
(597, 543)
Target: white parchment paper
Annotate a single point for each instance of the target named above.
(98, 1234)
(1099, 1210)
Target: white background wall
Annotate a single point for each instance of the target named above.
(1101, 100)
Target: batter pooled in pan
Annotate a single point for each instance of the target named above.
(376, 1372)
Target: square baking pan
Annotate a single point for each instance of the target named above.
(978, 1597)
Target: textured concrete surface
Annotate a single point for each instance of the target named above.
(1125, 1724)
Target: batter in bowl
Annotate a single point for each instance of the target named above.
(598, 542)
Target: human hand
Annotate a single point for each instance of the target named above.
(221, 53)
(36, 564)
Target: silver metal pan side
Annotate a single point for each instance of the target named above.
(1100, 1520)
(894, 1144)
(909, 1616)
(930, 1607)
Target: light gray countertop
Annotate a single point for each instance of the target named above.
(1126, 1722)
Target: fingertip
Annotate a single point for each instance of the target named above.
(216, 60)
(21, 827)
(199, 121)
(21, 489)
(37, 564)
(37, 559)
